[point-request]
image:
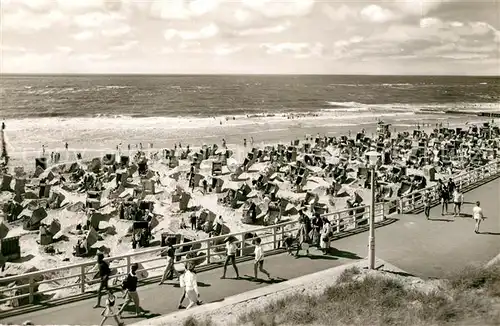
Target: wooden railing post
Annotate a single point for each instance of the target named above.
(31, 289)
(209, 244)
(275, 244)
(82, 279)
(282, 234)
(400, 204)
(337, 219)
(242, 239)
(128, 264)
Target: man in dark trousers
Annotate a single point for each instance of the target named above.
(104, 273)
(130, 285)
(170, 270)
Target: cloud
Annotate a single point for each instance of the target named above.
(276, 9)
(7, 48)
(64, 49)
(125, 46)
(118, 31)
(227, 49)
(276, 29)
(377, 14)
(205, 32)
(266, 35)
(83, 36)
(94, 56)
(182, 10)
(26, 21)
(76, 7)
(465, 56)
(340, 13)
(297, 49)
(96, 19)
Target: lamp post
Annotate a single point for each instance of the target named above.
(372, 158)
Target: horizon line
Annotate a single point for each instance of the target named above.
(235, 74)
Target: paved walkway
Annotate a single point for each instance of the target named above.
(423, 248)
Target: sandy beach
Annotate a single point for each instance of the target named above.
(118, 241)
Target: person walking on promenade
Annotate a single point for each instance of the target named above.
(191, 286)
(317, 222)
(169, 271)
(230, 257)
(182, 285)
(451, 187)
(444, 194)
(458, 200)
(477, 215)
(130, 285)
(326, 233)
(427, 204)
(259, 259)
(110, 311)
(303, 238)
(104, 273)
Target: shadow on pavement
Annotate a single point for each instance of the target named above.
(273, 280)
(200, 284)
(441, 220)
(146, 314)
(343, 254)
(490, 233)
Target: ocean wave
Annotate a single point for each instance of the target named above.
(346, 104)
(395, 84)
(113, 87)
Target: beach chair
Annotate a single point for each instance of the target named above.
(184, 201)
(6, 181)
(109, 159)
(236, 174)
(32, 218)
(41, 162)
(216, 168)
(10, 248)
(4, 230)
(173, 162)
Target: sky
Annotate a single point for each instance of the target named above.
(382, 37)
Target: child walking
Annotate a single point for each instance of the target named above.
(109, 311)
(427, 205)
(259, 259)
(477, 215)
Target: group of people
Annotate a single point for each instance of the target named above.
(129, 285)
(187, 280)
(316, 233)
(450, 192)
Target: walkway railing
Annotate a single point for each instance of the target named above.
(40, 286)
(415, 200)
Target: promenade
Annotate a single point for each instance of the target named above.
(423, 248)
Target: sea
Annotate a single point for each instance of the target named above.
(140, 96)
(97, 111)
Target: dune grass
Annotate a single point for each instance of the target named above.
(470, 297)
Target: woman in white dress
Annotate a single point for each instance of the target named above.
(325, 236)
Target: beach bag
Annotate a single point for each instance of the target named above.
(325, 238)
